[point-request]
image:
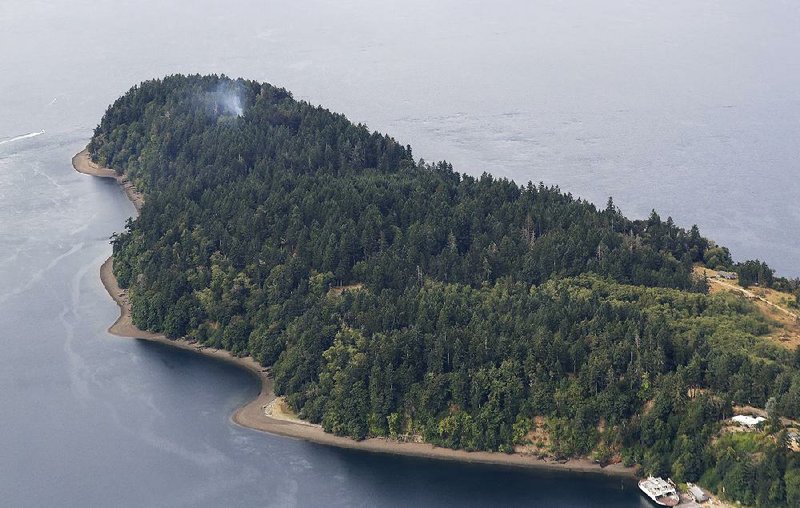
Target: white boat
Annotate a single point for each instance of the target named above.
(662, 492)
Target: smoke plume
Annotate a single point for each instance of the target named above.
(227, 99)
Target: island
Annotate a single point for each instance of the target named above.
(396, 305)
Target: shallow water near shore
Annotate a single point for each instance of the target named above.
(689, 109)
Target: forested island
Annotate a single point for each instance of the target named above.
(399, 298)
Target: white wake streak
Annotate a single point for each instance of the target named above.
(24, 136)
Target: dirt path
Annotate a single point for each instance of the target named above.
(787, 332)
(750, 294)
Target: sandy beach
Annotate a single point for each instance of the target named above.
(83, 164)
(254, 414)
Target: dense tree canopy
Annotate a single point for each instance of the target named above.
(395, 297)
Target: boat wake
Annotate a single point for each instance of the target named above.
(24, 136)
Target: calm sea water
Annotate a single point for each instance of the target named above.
(689, 107)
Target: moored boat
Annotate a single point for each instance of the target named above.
(660, 491)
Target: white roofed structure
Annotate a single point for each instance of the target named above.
(747, 420)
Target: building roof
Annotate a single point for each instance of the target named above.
(750, 421)
(697, 493)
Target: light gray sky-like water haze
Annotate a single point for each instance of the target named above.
(688, 107)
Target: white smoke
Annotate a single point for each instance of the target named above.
(227, 99)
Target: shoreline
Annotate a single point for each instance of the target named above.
(83, 164)
(253, 414)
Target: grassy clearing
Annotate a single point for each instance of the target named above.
(774, 305)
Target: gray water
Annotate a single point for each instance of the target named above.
(688, 107)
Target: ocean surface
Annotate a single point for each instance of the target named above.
(691, 108)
